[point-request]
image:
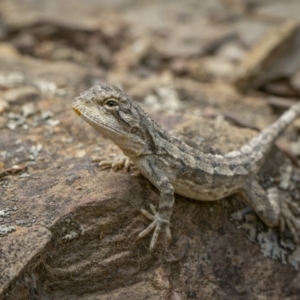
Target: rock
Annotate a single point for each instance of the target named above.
(206, 69)
(29, 109)
(163, 99)
(7, 49)
(295, 81)
(21, 95)
(3, 122)
(3, 106)
(280, 88)
(24, 246)
(232, 51)
(275, 56)
(132, 54)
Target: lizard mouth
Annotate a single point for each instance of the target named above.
(77, 111)
(96, 123)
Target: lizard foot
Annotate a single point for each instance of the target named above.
(288, 220)
(158, 222)
(117, 162)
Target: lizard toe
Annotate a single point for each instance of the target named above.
(117, 162)
(158, 223)
(289, 220)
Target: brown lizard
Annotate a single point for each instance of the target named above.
(174, 167)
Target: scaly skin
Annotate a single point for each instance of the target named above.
(174, 167)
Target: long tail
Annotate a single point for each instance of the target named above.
(265, 140)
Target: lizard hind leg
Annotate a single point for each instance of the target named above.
(272, 210)
(263, 203)
(288, 219)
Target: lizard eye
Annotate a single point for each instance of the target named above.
(111, 104)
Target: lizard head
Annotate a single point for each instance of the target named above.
(110, 111)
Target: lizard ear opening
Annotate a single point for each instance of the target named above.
(134, 129)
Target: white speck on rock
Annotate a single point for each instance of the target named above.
(70, 236)
(6, 229)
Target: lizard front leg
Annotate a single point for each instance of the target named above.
(161, 218)
(117, 162)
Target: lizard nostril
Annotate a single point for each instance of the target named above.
(87, 100)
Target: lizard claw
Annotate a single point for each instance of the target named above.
(118, 162)
(288, 219)
(158, 222)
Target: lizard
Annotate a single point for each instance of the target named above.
(175, 167)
